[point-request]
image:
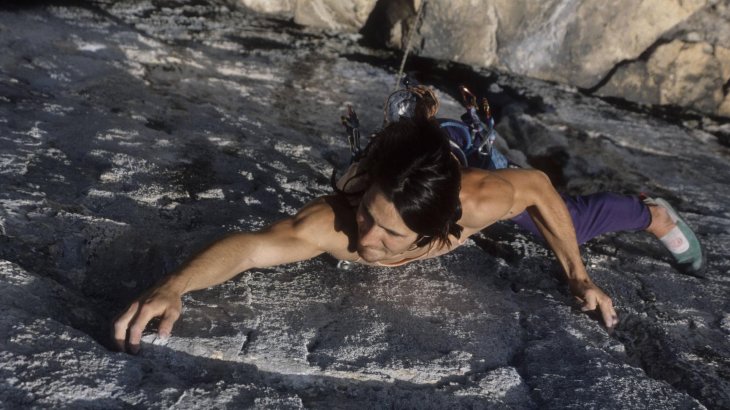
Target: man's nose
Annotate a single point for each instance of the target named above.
(368, 235)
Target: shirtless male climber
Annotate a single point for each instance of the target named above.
(408, 199)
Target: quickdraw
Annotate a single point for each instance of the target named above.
(476, 126)
(352, 128)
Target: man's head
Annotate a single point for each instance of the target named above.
(413, 197)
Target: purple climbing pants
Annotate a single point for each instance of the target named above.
(597, 214)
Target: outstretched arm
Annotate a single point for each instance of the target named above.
(289, 240)
(503, 194)
(535, 193)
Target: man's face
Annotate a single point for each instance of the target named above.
(381, 230)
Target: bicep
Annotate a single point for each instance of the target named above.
(283, 242)
(305, 235)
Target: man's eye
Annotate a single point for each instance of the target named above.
(391, 233)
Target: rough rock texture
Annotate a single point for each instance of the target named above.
(576, 42)
(579, 42)
(342, 15)
(724, 108)
(132, 133)
(677, 73)
(614, 49)
(465, 33)
(277, 7)
(582, 43)
(390, 23)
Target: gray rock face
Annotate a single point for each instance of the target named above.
(692, 70)
(579, 42)
(652, 51)
(343, 16)
(133, 133)
(676, 73)
(459, 33)
(347, 15)
(582, 43)
(276, 7)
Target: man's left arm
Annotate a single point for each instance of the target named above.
(534, 192)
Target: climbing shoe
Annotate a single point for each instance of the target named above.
(681, 242)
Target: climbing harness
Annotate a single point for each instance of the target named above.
(472, 140)
(477, 149)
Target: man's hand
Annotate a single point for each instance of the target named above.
(593, 297)
(158, 302)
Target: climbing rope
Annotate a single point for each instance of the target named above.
(411, 32)
(401, 105)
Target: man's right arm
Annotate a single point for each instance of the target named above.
(303, 236)
(503, 194)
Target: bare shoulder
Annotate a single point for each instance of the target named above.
(490, 196)
(328, 222)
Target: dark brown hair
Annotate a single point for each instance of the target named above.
(411, 162)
